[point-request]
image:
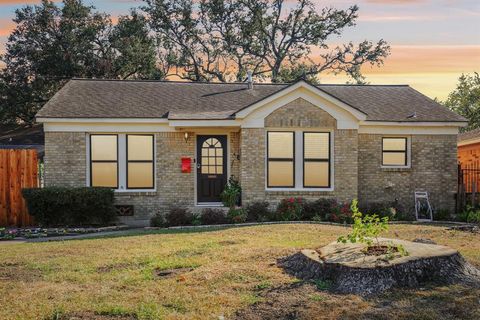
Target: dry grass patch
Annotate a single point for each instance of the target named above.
(231, 270)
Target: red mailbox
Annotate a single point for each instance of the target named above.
(186, 165)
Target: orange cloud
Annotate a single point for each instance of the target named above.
(6, 27)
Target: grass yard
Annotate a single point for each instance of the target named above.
(232, 269)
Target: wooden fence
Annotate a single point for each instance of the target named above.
(18, 169)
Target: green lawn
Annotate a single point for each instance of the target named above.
(116, 278)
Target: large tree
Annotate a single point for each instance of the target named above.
(218, 40)
(53, 43)
(465, 99)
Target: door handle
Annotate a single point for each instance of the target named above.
(199, 165)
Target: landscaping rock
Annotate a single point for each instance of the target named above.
(349, 270)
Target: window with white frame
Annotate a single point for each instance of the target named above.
(104, 161)
(298, 160)
(122, 161)
(394, 151)
(316, 159)
(281, 159)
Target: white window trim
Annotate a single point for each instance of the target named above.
(409, 152)
(298, 160)
(122, 163)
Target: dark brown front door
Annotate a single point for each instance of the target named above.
(211, 167)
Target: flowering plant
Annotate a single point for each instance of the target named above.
(290, 209)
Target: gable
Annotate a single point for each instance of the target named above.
(300, 113)
(311, 98)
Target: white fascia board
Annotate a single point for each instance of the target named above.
(102, 120)
(468, 142)
(301, 84)
(415, 124)
(204, 123)
(106, 127)
(408, 129)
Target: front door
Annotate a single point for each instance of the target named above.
(211, 167)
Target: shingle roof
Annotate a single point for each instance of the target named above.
(82, 98)
(469, 135)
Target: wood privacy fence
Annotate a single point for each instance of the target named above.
(18, 169)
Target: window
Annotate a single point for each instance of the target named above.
(316, 159)
(212, 157)
(140, 169)
(394, 151)
(104, 161)
(280, 159)
(122, 161)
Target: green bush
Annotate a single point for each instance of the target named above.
(231, 194)
(470, 215)
(318, 209)
(238, 215)
(213, 216)
(158, 220)
(179, 216)
(258, 211)
(56, 206)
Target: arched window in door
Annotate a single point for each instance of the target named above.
(212, 157)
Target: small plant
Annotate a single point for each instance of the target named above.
(178, 216)
(365, 228)
(258, 211)
(231, 194)
(238, 215)
(470, 215)
(213, 216)
(158, 220)
(322, 285)
(290, 209)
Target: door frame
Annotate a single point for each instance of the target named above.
(195, 184)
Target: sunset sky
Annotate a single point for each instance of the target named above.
(433, 41)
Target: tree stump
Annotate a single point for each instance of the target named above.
(349, 270)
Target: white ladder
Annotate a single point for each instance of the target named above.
(422, 196)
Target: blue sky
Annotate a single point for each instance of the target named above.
(433, 41)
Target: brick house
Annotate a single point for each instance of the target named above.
(164, 143)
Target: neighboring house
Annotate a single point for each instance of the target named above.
(374, 143)
(469, 159)
(469, 147)
(22, 137)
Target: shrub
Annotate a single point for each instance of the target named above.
(179, 216)
(392, 210)
(258, 211)
(237, 215)
(340, 213)
(58, 206)
(442, 215)
(213, 216)
(470, 215)
(290, 209)
(318, 209)
(158, 220)
(231, 194)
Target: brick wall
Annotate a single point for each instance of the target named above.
(433, 169)
(298, 113)
(65, 159)
(65, 165)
